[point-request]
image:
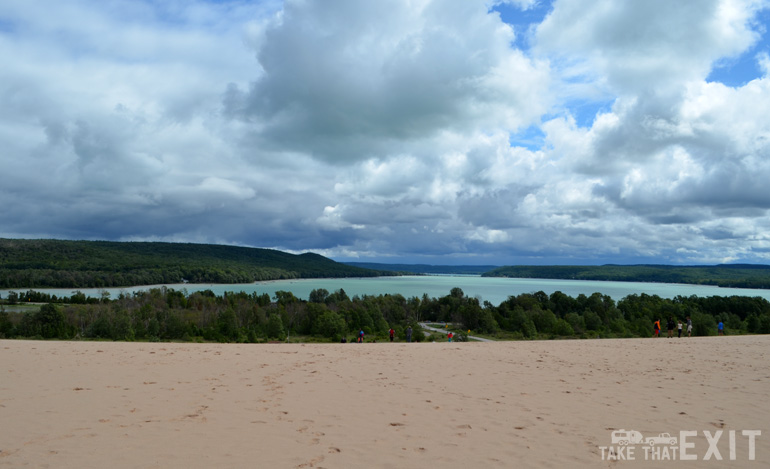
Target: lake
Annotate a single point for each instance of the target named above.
(492, 289)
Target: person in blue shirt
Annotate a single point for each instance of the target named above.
(721, 328)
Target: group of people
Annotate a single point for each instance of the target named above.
(391, 334)
(670, 324)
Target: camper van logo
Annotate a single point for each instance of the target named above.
(631, 437)
(628, 445)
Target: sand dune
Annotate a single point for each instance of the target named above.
(523, 404)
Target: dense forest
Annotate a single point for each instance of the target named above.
(94, 264)
(724, 275)
(167, 314)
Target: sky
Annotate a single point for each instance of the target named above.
(404, 131)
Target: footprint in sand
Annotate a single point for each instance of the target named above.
(312, 462)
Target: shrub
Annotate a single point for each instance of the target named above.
(275, 327)
(51, 321)
(6, 326)
(562, 327)
(331, 325)
(764, 324)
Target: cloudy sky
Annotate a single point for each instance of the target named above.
(422, 131)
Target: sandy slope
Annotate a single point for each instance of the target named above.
(528, 404)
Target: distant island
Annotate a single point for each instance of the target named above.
(723, 275)
(38, 263)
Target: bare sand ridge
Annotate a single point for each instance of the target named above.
(523, 404)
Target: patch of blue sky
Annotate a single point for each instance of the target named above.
(184, 14)
(523, 20)
(585, 111)
(737, 71)
(167, 13)
(7, 26)
(532, 138)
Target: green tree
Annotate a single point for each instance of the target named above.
(52, 322)
(339, 296)
(100, 328)
(544, 320)
(576, 321)
(122, 327)
(319, 295)
(618, 326)
(752, 323)
(703, 324)
(6, 326)
(284, 298)
(528, 329)
(764, 324)
(13, 298)
(227, 324)
(562, 303)
(563, 328)
(330, 324)
(592, 320)
(275, 326)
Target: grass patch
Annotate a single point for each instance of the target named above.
(22, 308)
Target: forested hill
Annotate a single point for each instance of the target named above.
(91, 264)
(724, 275)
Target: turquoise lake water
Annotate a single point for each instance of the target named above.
(492, 289)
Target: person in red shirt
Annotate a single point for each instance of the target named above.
(450, 335)
(392, 332)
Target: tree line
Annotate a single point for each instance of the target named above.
(725, 275)
(169, 314)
